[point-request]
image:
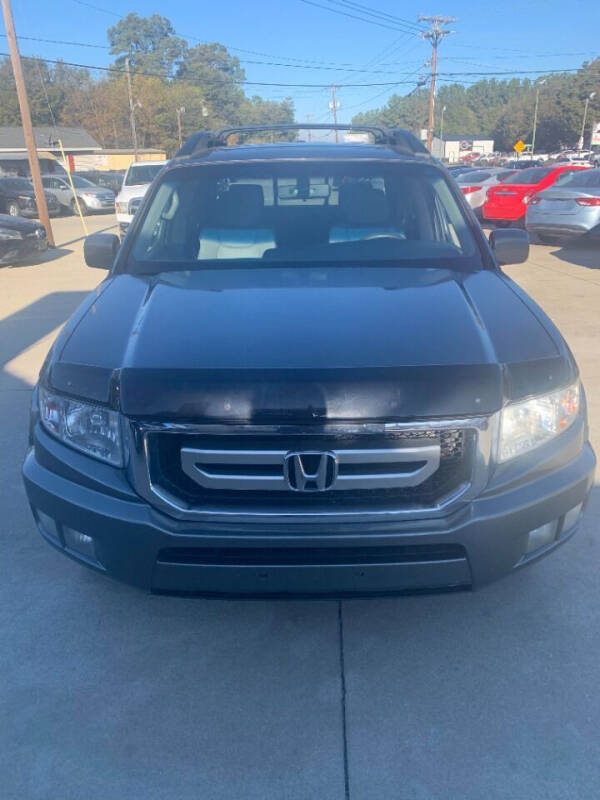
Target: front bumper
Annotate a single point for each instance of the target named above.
(24, 249)
(96, 204)
(135, 543)
(562, 226)
(505, 213)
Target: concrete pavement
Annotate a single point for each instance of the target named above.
(109, 694)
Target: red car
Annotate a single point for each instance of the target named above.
(508, 201)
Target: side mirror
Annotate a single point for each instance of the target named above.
(510, 246)
(100, 249)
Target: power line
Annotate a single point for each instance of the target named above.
(59, 41)
(372, 12)
(97, 8)
(219, 82)
(380, 94)
(389, 26)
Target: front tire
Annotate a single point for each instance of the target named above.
(82, 206)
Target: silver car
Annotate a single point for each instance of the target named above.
(474, 185)
(90, 196)
(571, 207)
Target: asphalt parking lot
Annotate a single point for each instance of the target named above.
(109, 694)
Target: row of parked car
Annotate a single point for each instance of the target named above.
(552, 201)
(17, 197)
(586, 158)
(21, 237)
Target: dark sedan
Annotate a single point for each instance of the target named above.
(17, 198)
(20, 239)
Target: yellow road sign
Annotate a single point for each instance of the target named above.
(519, 146)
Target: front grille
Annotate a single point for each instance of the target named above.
(310, 556)
(167, 475)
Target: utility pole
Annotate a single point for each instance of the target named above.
(34, 164)
(535, 115)
(179, 112)
(131, 111)
(435, 36)
(309, 132)
(585, 112)
(334, 105)
(442, 132)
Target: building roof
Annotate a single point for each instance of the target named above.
(46, 136)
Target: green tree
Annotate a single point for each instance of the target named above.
(410, 111)
(150, 43)
(211, 68)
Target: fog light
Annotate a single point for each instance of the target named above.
(539, 537)
(48, 524)
(79, 542)
(572, 516)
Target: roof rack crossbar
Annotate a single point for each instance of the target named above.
(395, 137)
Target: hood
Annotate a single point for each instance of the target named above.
(127, 192)
(96, 190)
(336, 343)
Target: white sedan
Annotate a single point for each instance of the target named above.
(474, 185)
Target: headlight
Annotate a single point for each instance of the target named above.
(27, 201)
(533, 422)
(8, 234)
(93, 430)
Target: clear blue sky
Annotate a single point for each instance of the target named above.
(539, 35)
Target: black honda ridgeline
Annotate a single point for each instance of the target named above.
(307, 373)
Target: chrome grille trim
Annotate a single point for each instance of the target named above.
(136, 435)
(197, 463)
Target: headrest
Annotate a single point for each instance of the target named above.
(241, 206)
(361, 204)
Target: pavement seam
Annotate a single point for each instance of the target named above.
(343, 700)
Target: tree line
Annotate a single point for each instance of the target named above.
(206, 80)
(503, 109)
(167, 74)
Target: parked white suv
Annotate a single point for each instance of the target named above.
(137, 179)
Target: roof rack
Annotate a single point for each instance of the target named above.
(398, 138)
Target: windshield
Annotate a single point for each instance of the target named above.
(530, 176)
(16, 184)
(141, 174)
(303, 213)
(474, 177)
(82, 183)
(585, 177)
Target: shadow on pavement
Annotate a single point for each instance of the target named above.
(111, 227)
(42, 258)
(585, 253)
(21, 330)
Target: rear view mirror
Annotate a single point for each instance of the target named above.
(100, 249)
(510, 246)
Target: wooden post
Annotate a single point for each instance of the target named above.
(34, 164)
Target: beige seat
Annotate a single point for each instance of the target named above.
(365, 214)
(237, 232)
